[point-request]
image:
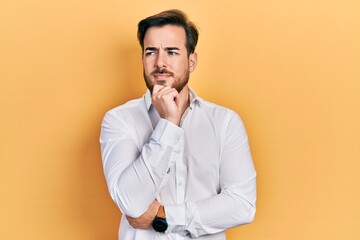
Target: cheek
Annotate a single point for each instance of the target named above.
(184, 67)
(147, 66)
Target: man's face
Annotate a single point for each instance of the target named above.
(165, 59)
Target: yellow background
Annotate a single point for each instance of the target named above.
(291, 69)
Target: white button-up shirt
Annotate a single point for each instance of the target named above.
(202, 171)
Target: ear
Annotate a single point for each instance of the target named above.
(192, 61)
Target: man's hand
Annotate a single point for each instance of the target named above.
(166, 103)
(145, 220)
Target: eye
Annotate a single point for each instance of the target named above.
(148, 53)
(172, 53)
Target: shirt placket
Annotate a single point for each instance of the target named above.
(180, 165)
(181, 170)
(180, 176)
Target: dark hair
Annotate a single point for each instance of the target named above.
(170, 17)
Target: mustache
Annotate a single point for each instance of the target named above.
(161, 71)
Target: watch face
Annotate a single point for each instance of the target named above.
(160, 224)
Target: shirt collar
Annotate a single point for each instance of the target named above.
(193, 98)
(147, 98)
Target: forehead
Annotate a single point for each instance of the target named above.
(168, 35)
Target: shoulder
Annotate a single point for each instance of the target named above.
(125, 111)
(217, 112)
(228, 124)
(225, 120)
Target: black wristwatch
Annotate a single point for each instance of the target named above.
(159, 224)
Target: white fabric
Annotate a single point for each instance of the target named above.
(202, 171)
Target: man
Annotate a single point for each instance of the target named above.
(178, 167)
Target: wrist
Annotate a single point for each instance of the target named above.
(173, 120)
(160, 224)
(161, 212)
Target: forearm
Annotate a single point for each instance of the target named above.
(135, 177)
(140, 183)
(234, 206)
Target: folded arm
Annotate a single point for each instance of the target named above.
(135, 176)
(236, 203)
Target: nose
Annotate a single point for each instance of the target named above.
(161, 61)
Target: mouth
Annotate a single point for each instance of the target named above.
(162, 75)
(163, 79)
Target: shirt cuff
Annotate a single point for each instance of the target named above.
(168, 134)
(175, 217)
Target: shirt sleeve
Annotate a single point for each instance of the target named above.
(135, 176)
(235, 204)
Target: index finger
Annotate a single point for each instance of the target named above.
(157, 88)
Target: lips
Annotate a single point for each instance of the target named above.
(163, 78)
(162, 75)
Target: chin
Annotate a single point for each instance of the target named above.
(162, 82)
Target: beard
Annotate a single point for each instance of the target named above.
(179, 82)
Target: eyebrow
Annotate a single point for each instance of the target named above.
(166, 49)
(171, 48)
(151, 49)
